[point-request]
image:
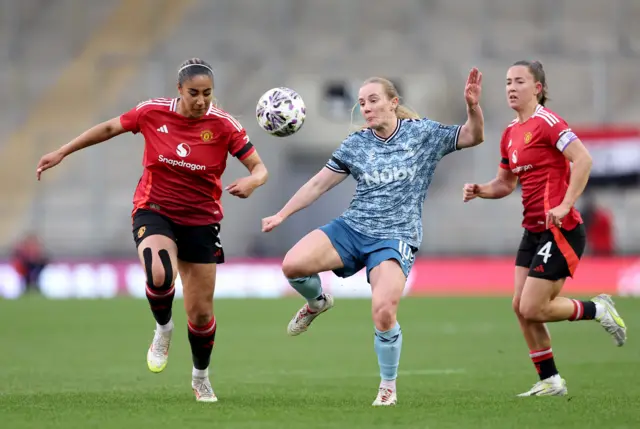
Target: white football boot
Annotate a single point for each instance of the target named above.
(303, 318)
(548, 387)
(202, 389)
(386, 397)
(611, 320)
(158, 353)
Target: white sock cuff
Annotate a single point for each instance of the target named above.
(388, 384)
(165, 328)
(200, 373)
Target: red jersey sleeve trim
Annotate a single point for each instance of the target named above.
(245, 152)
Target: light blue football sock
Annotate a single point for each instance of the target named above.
(309, 287)
(388, 345)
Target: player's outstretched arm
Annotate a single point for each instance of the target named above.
(472, 132)
(503, 185)
(245, 186)
(323, 181)
(94, 135)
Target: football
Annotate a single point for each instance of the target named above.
(281, 111)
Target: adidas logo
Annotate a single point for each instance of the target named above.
(163, 129)
(539, 269)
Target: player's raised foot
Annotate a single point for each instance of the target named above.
(303, 318)
(202, 389)
(611, 320)
(550, 387)
(385, 397)
(158, 353)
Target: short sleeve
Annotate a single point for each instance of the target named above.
(239, 144)
(444, 137)
(339, 161)
(130, 120)
(504, 149)
(558, 132)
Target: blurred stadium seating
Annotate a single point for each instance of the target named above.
(66, 64)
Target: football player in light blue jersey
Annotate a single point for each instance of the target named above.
(393, 160)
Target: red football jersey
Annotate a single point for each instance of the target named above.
(533, 151)
(184, 159)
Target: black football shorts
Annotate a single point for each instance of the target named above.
(552, 254)
(196, 244)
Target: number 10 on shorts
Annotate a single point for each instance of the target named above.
(405, 251)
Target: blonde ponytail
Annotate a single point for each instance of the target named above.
(353, 127)
(403, 112)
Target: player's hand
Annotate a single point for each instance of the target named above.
(243, 187)
(555, 215)
(48, 161)
(269, 223)
(470, 191)
(473, 88)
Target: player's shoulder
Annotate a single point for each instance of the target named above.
(223, 119)
(510, 126)
(357, 136)
(157, 104)
(420, 127)
(419, 123)
(545, 117)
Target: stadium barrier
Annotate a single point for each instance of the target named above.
(616, 155)
(263, 279)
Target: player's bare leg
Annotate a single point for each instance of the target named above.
(534, 307)
(536, 294)
(198, 282)
(387, 284)
(313, 254)
(540, 303)
(158, 255)
(535, 334)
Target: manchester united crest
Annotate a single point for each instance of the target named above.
(206, 135)
(141, 231)
(527, 137)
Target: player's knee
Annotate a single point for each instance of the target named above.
(159, 276)
(515, 305)
(292, 266)
(199, 310)
(200, 316)
(384, 315)
(531, 312)
(157, 280)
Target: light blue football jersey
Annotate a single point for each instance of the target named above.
(393, 176)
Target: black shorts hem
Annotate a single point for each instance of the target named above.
(196, 244)
(547, 276)
(201, 259)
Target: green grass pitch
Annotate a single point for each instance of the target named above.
(81, 364)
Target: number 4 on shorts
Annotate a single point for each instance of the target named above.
(545, 251)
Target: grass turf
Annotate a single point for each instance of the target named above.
(81, 364)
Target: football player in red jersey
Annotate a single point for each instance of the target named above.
(177, 206)
(538, 148)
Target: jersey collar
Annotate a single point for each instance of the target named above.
(391, 136)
